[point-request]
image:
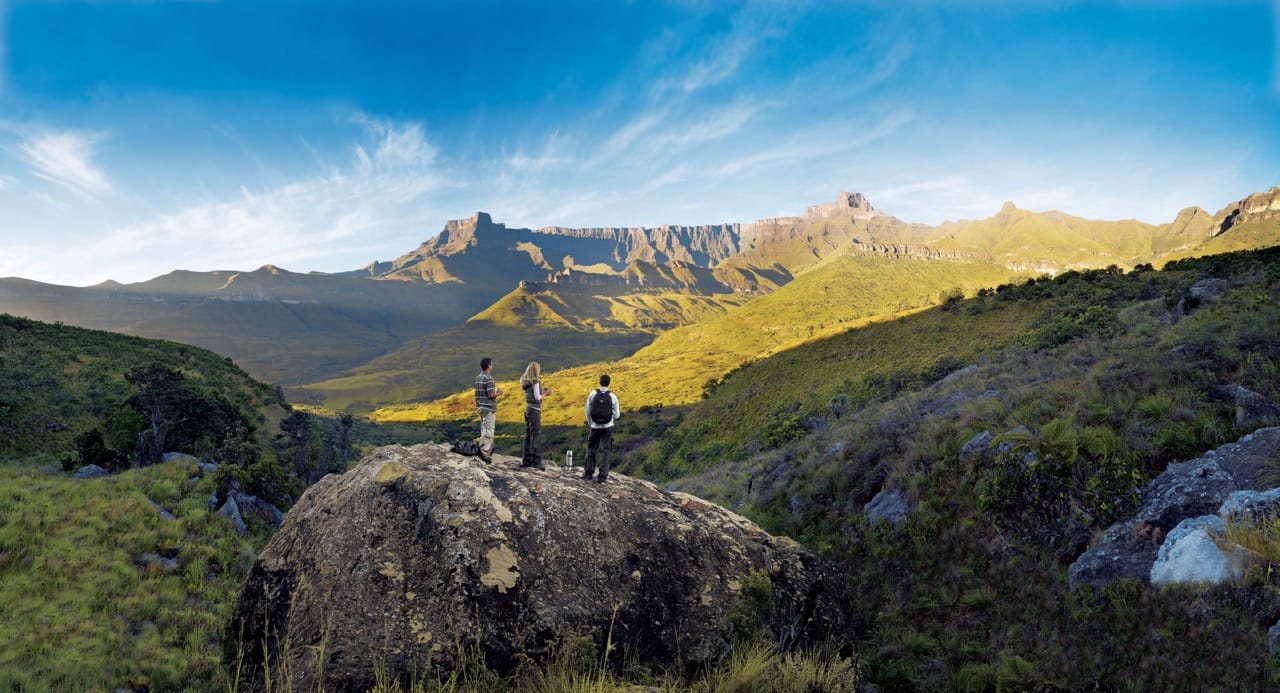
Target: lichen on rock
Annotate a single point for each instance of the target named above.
(418, 553)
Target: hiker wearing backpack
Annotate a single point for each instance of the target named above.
(602, 411)
(487, 406)
(531, 383)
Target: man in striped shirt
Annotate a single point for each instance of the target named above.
(487, 406)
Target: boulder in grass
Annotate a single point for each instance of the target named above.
(418, 554)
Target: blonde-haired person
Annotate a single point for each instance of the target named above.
(531, 383)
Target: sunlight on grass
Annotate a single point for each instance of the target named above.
(85, 606)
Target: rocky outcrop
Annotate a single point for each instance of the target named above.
(1191, 489)
(1258, 207)
(417, 553)
(1203, 291)
(847, 204)
(1195, 551)
(90, 471)
(1190, 554)
(890, 505)
(915, 251)
(1252, 408)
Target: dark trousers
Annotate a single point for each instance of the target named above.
(532, 429)
(601, 439)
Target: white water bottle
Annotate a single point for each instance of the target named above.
(568, 459)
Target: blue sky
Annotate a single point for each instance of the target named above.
(141, 137)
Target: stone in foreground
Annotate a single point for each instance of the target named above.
(418, 553)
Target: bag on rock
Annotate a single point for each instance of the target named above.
(466, 447)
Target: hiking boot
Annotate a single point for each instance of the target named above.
(486, 458)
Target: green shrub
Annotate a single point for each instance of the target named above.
(753, 607)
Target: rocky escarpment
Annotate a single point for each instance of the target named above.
(529, 253)
(418, 553)
(847, 204)
(1258, 207)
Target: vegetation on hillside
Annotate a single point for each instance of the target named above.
(127, 581)
(559, 325)
(124, 581)
(847, 291)
(1100, 373)
(59, 384)
(1102, 376)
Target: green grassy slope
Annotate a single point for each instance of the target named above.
(1111, 384)
(101, 589)
(101, 592)
(1246, 236)
(558, 325)
(1051, 239)
(844, 291)
(57, 382)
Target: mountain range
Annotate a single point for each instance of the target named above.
(402, 330)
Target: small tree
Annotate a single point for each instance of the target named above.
(838, 404)
(159, 391)
(951, 297)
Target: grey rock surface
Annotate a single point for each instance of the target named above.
(89, 471)
(1190, 554)
(976, 446)
(1184, 490)
(890, 505)
(231, 511)
(417, 552)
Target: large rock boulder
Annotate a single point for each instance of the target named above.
(1184, 490)
(418, 553)
(890, 505)
(1190, 553)
(1252, 409)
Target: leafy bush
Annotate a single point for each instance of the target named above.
(750, 611)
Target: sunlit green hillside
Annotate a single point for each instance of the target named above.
(1096, 382)
(102, 592)
(558, 325)
(840, 293)
(1246, 236)
(58, 383)
(1048, 240)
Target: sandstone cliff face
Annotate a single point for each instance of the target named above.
(853, 205)
(1258, 207)
(417, 552)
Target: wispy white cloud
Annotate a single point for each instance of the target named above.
(553, 155)
(938, 185)
(673, 176)
(836, 138)
(395, 147)
(382, 193)
(629, 133)
(66, 159)
(716, 59)
(718, 123)
(888, 64)
(722, 61)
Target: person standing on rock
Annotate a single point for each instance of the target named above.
(487, 406)
(531, 383)
(602, 411)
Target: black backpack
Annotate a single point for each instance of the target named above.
(600, 410)
(462, 446)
